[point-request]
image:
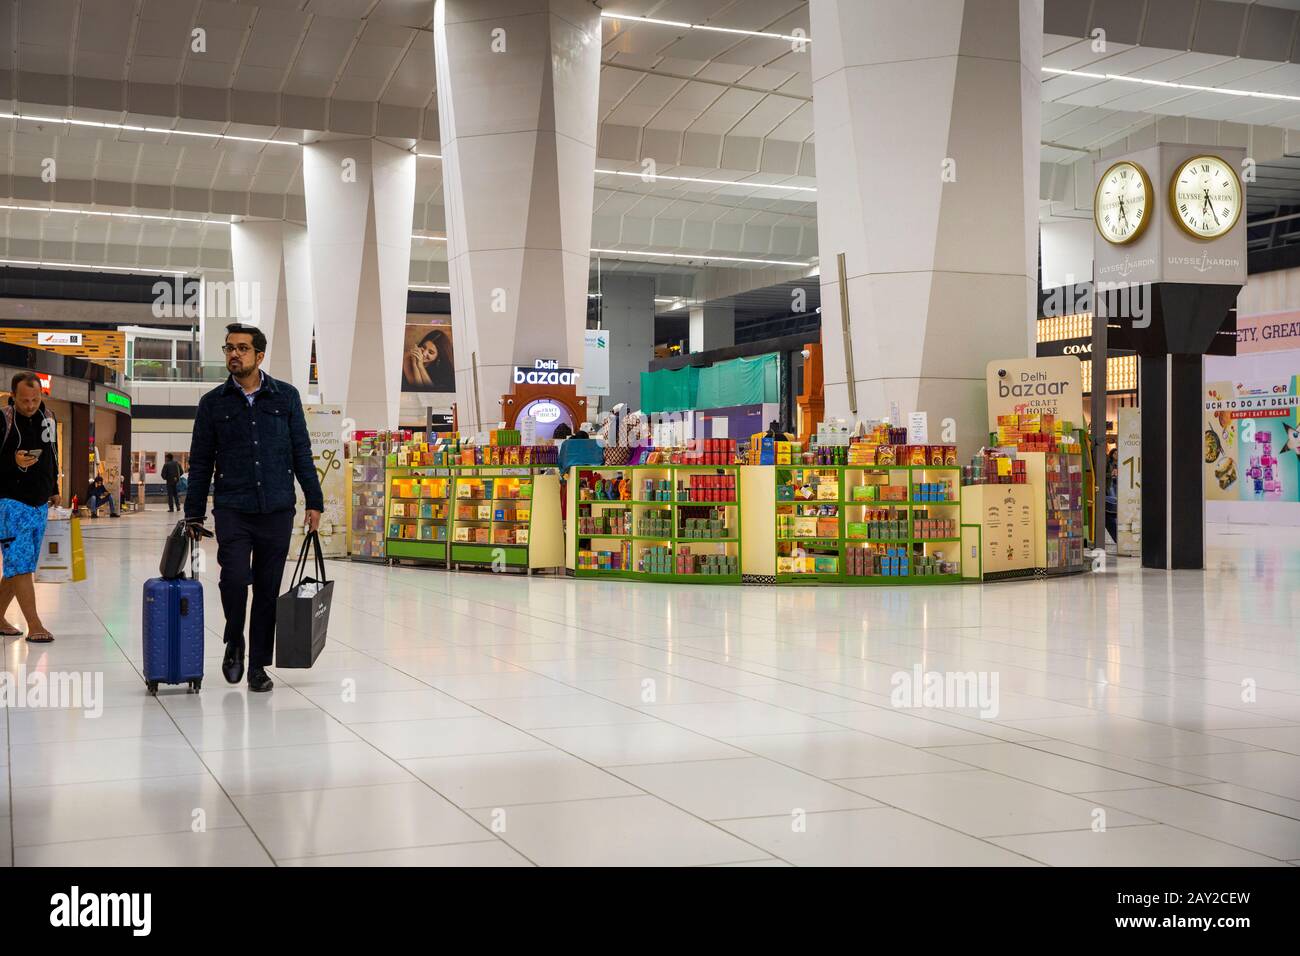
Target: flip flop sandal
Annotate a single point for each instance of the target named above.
(10, 632)
(43, 637)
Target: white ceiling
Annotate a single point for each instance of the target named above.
(701, 104)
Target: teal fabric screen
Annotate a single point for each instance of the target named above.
(742, 381)
(669, 390)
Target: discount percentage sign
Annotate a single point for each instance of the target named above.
(330, 462)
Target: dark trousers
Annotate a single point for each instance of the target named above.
(96, 502)
(173, 498)
(251, 549)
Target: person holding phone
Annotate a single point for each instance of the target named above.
(29, 484)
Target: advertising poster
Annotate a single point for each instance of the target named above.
(1252, 441)
(1129, 513)
(595, 370)
(325, 426)
(428, 364)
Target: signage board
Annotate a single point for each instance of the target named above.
(546, 372)
(595, 362)
(58, 338)
(1051, 385)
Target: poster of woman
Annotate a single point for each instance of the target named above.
(427, 361)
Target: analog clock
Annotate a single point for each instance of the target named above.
(1122, 204)
(1205, 197)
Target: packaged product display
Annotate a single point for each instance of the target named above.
(674, 520)
(366, 455)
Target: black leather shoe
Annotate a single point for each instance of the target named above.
(232, 665)
(258, 682)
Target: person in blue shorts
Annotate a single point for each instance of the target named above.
(29, 455)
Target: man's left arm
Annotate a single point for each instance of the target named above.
(303, 466)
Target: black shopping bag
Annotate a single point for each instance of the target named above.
(302, 614)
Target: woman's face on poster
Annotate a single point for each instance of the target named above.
(428, 351)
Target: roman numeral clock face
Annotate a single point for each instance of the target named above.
(1122, 203)
(1205, 197)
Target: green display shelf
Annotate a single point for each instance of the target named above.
(423, 550)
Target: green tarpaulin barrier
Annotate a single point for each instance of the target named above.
(669, 390)
(742, 381)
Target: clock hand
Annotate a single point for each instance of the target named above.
(1210, 206)
(1122, 214)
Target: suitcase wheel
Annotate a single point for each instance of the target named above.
(152, 686)
(196, 685)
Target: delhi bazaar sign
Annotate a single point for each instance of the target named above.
(1050, 385)
(545, 372)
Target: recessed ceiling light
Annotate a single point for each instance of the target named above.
(115, 215)
(606, 15)
(145, 129)
(703, 256)
(1226, 91)
(88, 267)
(649, 178)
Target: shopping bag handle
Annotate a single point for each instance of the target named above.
(311, 538)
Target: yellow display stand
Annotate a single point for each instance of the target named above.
(998, 531)
(63, 556)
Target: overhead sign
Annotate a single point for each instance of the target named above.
(58, 338)
(1270, 332)
(595, 362)
(546, 372)
(1051, 385)
(113, 398)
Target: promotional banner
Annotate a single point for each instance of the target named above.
(1272, 332)
(1129, 481)
(325, 426)
(428, 364)
(1035, 386)
(1252, 441)
(595, 359)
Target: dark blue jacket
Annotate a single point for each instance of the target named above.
(255, 451)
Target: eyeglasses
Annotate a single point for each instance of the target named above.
(241, 348)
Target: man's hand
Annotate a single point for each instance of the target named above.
(313, 520)
(194, 528)
(54, 501)
(23, 459)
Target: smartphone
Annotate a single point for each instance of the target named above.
(34, 452)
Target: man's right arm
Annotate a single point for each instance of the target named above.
(203, 452)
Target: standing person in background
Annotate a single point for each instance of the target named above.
(29, 455)
(252, 433)
(171, 473)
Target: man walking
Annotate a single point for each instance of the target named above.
(29, 484)
(171, 473)
(251, 431)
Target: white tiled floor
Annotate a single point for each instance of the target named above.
(465, 719)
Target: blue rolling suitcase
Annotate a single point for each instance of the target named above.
(173, 631)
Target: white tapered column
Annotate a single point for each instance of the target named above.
(518, 85)
(273, 292)
(927, 122)
(360, 200)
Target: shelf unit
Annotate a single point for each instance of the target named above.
(863, 523)
(505, 517)
(659, 532)
(417, 512)
(366, 524)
